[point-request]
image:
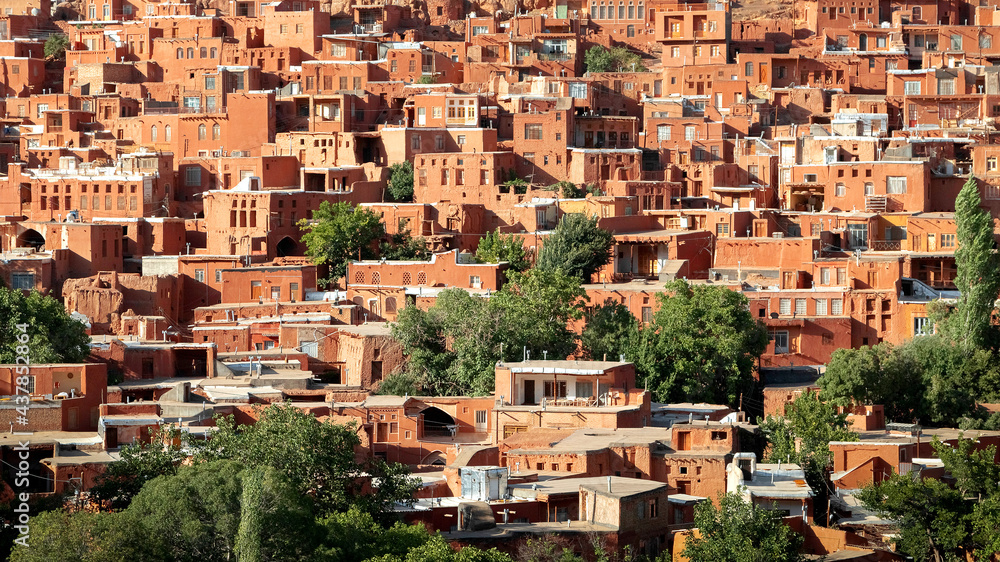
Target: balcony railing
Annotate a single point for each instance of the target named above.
(887, 245)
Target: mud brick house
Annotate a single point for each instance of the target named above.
(63, 397)
(564, 394)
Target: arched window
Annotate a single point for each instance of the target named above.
(203, 52)
(166, 133)
(202, 130)
(180, 53)
(190, 52)
(376, 278)
(152, 133)
(214, 52)
(216, 131)
(421, 278)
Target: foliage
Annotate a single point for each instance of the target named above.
(804, 434)
(401, 181)
(567, 190)
(546, 548)
(941, 522)
(138, 464)
(452, 347)
(496, 247)
(53, 335)
(710, 338)
(978, 266)
(427, 79)
(437, 549)
(58, 536)
(615, 59)
(927, 380)
(739, 531)
(577, 246)
(338, 233)
(316, 457)
(403, 246)
(55, 46)
(609, 330)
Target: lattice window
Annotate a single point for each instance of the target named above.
(421, 278)
(376, 278)
(406, 278)
(359, 277)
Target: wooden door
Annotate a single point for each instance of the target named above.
(529, 392)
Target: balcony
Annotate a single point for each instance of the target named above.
(557, 57)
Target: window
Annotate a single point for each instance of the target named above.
(202, 131)
(555, 389)
(820, 307)
(748, 69)
(922, 326)
(840, 190)
(152, 133)
(895, 184)
(991, 163)
(22, 280)
(800, 307)
(199, 275)
(690, 132)
(780, 342)
(675, 52)
(722, 229)
(439, 142)
(216, 131)
(956, 42)
(947, 240)
(475, 282)
(415, 142)
(946, 87)
(192, 176)
(479, 30)
(911, 88)
(837, 307)
(338, 50)
(985, 41)
(578, 90)
(299, 28)
(533, 131)
(662, 133)
(166, 133)
(785, 306)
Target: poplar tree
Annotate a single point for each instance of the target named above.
(978, 268)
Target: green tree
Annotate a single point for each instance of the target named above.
(577, 246)
(615, 59)
(338, 233)
(55, 46)
(929, 379)
(567, 190)
(978, 266)
(58, 536)
(941, 522)
(496, 247)
(609, 330)
(739, 531)
(316, 457)
(138, 463)
(403, 246)
(803, 435)
(597, 59)
(52, 335)
(453, 347)
(401, 181)
(700, 346)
